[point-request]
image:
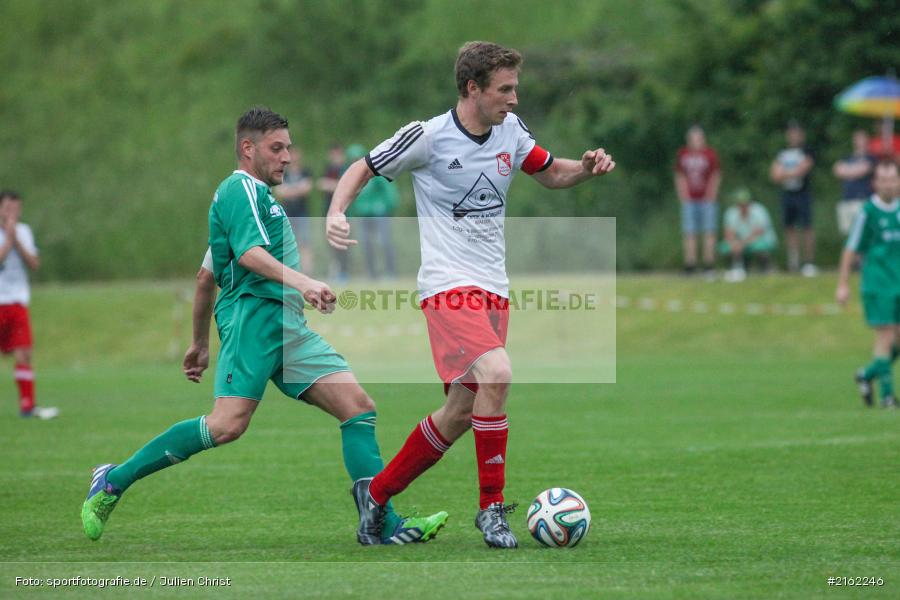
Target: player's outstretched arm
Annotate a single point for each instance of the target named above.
(196, 359)
(565, 172)
(351, 183)
(317, 293)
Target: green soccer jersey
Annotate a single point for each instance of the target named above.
(876, 235)
(244, 214)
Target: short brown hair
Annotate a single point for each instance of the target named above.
(11, 194)
(477, 61)
(255, 122)
(886, 164)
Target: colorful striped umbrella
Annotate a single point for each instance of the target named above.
(871, 97)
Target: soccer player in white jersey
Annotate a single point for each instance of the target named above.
(462, 163)
(18, 254)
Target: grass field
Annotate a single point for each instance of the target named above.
(731, 459)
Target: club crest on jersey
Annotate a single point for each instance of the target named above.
(276, 211)
(481, 197)
(504, 163)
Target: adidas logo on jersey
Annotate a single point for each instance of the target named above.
(497, 460)
(455, 164)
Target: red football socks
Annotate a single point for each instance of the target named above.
(490, 448)
(24, 376)
(423, 448)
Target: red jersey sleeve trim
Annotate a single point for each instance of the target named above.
(537, 160)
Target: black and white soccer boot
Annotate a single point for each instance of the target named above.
(371, 514)
(493, 524)
(864, 386)
(889, 402)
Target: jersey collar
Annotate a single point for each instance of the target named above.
(885, 206)
(243, 172)
(478, 139)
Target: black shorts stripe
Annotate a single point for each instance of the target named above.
(398, 148)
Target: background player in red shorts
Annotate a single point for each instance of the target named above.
(18, 254)
(462, 162)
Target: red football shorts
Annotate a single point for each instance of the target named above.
(464, 324)
(15, 330)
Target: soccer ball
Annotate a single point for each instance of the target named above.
(559, 518)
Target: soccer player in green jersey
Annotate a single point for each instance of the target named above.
(875, 236)
(264, 335)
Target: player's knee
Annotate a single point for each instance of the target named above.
(364, 403)
(359, 402)
(498, 374)
(227, 435)
(494, 369)
(227, 431)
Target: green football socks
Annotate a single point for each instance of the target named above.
(177, 444)
(873, 370)
(886, 378)
(880, 369)
(362, 458)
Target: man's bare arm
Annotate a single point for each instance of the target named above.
(354, 179)
(848, 257)
(204, 297)
(681, 186)
(196, 359)
(262, 263)
(565, 172)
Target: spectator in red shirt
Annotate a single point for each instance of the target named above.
(697, 179)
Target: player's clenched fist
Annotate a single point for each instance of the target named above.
(597, 162)
(320, 296)
(196, 360)
(337, 230)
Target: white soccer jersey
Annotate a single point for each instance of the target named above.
(14, 287)
(461, 182)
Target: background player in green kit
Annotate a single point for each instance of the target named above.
(259, 315)
(875, 236)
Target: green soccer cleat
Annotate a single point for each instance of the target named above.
(101, 500)
(416, 529)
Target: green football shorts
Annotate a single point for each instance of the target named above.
(262, 339)
(881, 309)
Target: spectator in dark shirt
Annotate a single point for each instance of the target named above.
(855, 172)
(791, 171)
